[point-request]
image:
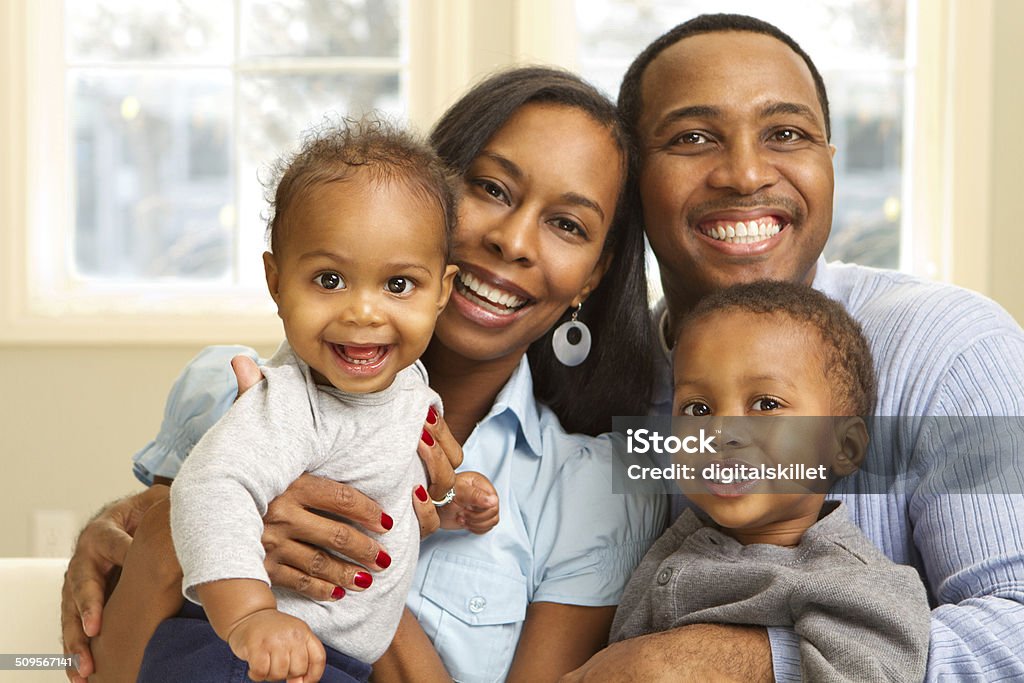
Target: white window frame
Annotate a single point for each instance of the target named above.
(455, 42)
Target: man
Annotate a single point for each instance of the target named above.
(731, 118)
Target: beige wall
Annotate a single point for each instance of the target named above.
(1006, 283)
(70, 416)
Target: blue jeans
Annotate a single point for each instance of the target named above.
(186, 648)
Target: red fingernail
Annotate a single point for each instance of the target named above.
(383, 559)
(338, 593)
(427, 438)
(432, 416)
(362, 579)
(386, 521)
(421, 493)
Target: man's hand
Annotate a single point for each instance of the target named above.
(475, 506)
(699, 652)
(99, 551)
(278, 646)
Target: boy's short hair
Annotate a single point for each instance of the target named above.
(846, 357)
(335, 150)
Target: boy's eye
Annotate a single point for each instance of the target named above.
(399, 285)
(330, 281)
(696, 409)
(766, 403)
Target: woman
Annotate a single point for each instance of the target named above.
(541, 232)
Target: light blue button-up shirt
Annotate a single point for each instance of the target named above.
(564, 537)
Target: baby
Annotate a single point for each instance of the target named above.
(359, 269)
(769, 551)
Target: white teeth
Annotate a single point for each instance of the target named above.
(749, 232)
(490, 294)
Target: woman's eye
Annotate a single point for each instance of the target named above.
(493, 189)
(330, 281)
(696, 409)
(569, 225)
(766, 403)
(399, 285)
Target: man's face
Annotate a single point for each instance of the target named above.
(736, 177)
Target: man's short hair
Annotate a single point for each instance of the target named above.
(630, 96)
(335, 150)
(845, 355)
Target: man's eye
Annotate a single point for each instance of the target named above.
(399, 285)
(696, 409)
(691, 138)
(330, 281)
(766, 403)
(786, 135)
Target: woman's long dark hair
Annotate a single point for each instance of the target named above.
(617, 377)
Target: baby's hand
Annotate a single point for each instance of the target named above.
(475, 506)
(278, 646)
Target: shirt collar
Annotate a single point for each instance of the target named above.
(517, 398)
(823, 280)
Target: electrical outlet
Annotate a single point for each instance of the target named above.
(53, 532)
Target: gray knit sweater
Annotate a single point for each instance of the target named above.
(277, 430)
(860, 617)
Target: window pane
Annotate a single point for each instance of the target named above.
(858, 45)
(277, 109)
(185, 31)
(328, 28)
(152, 161)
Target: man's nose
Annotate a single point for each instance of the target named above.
(745, 167)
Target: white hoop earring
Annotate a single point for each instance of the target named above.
(571, 340)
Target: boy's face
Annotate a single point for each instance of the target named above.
(737, 363)
(359, 279)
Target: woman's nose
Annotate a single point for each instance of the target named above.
(514, 238)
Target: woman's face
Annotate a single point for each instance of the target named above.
(537, 205)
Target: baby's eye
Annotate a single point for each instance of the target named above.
(400, 285)
(695, 409)
(766, 403)
(330, 281)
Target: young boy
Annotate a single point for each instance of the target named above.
(769, 551)
(359, 270)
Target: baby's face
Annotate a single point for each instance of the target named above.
(359, 280)
(735, 368)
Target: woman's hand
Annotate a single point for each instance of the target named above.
(100, 550)
(441, 453)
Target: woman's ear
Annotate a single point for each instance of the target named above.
(852, 441)
(273, 278)
(600, 268)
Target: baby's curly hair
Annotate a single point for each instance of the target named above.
(846, 357)
(334, 150)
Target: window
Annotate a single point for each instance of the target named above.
(137, 132)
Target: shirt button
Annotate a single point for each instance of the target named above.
(477, 604)
(663, 576)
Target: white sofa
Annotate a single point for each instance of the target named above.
(30, 613)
